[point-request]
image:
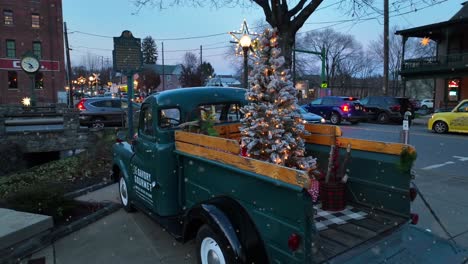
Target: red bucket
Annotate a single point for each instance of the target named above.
(332, 196)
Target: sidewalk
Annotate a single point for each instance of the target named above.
(421, 120)
(118, 238)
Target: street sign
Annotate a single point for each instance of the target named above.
(127, 55)
(324, 85)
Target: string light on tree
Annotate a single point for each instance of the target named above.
(272, 125)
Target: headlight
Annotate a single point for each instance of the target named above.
(322, 120)
(432, 116)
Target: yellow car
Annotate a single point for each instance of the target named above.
(454, 121)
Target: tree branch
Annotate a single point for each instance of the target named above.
(297, 8)
(299, 21)
(266, 9)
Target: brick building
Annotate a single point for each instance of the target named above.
(36, 26)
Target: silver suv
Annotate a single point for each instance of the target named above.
(98, 112)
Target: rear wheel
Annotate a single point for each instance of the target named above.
(212, 248)
(335, 118)
(124, 195)
(424, 107)
(382, 118)
(440, 127)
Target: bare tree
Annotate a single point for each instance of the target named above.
(190, 76)
(395, 57)
(91, 62)
(338, 48)
(287, 16)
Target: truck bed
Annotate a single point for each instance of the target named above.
(363, 225)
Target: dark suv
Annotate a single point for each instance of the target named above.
(387, 108)
(337, 109)
(97, 112)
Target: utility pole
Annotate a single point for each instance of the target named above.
(163, 77)
(201, 63)
(386, 48)
(70, 90)
(201, 55)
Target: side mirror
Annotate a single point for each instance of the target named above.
(121, 137)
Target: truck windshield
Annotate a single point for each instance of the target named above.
(220, 112)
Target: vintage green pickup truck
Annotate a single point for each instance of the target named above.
(242, 210)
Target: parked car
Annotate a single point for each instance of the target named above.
(98, 112)
(310, 118)
(427, 104)
(387, 108)
(338, 109)
(454, 121)
(416, 104)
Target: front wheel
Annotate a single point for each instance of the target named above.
(335, 118)
(124, 195)
(212, 248)
(440, 127)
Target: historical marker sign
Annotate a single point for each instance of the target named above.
(127, 55)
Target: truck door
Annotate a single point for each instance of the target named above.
(143, 164)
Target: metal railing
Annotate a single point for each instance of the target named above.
(455, 60)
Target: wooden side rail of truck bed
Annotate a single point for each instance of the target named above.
(328, 135)
(227, 151)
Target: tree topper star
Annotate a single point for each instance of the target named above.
(425, 41)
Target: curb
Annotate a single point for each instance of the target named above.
(41, 241)
(88, 189)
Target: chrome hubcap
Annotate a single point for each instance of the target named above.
(210, 252)
(123, 191)
(439, 127)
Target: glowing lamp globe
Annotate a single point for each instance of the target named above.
(245, 41)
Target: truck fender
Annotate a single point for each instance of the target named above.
(119, 167)
(230, 219)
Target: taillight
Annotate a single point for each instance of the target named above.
(345, 108)
(81, 105)
(412, 194)
(414, 219)
(294, 241)
(395, 108)
(118, 140)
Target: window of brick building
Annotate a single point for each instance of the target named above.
(37, 49)
(36, 19)
(39, 79)
(10, 48)
(7, 17)
(12, 80)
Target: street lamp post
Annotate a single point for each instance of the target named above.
(91, 79)
(245, 42)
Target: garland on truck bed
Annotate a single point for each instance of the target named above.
(272, 125)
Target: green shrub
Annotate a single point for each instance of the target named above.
(41, 199)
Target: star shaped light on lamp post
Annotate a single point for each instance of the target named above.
(243, 39)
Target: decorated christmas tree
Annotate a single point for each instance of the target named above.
(272, 126)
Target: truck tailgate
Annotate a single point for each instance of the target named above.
(408, 244)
